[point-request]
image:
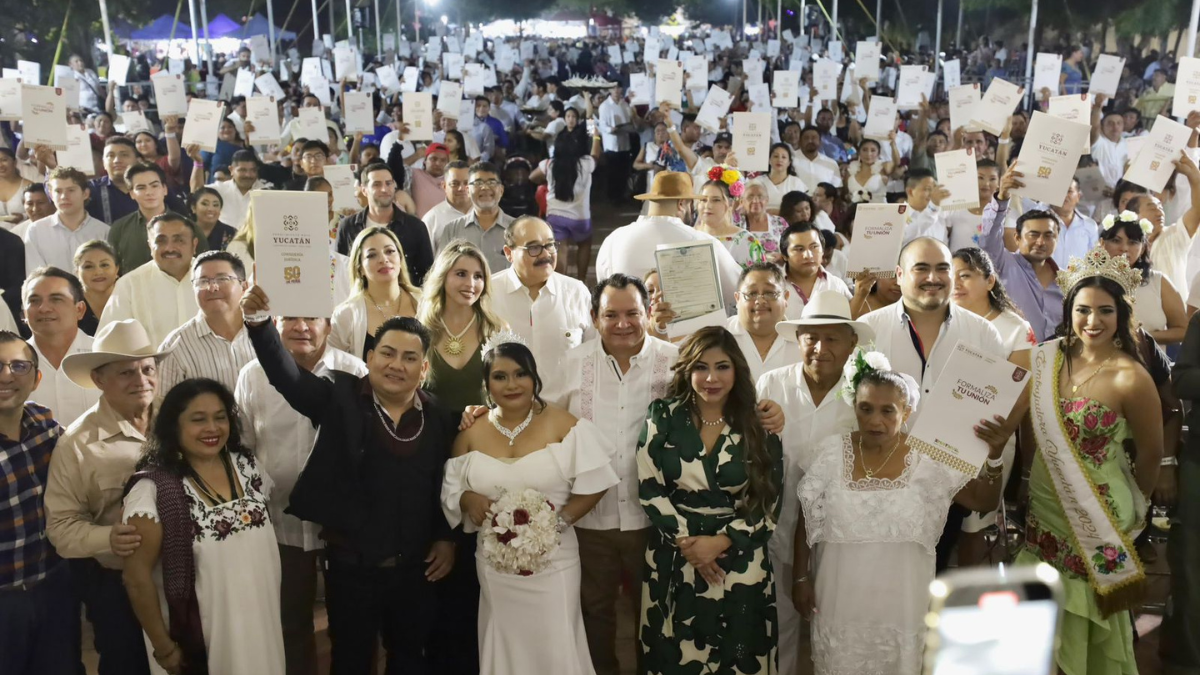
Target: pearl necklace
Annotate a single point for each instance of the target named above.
(512, 434)
(454, 343)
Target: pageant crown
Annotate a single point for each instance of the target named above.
(1097, 263)
(502, 337)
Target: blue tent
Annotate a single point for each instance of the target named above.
(257, 25)
(122, 28)
(222, 26)
(160, 29)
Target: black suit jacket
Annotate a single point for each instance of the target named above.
(368, 499)
(12, 274)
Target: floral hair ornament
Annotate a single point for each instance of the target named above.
(1127, 217)
(502, 337)
(857, 366)
(731, 177)
(1097, 263)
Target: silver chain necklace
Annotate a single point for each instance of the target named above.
(388, 425)
(511, 435)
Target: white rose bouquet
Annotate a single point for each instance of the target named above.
(520, 533)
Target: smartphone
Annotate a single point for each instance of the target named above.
(994, 621)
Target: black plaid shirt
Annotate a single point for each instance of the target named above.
(26, 555)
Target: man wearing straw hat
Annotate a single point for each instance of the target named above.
(807, 391)
(88, 472)
(630, 249)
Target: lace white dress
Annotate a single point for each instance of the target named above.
(533, 624)
(237, 573)
(873, 558)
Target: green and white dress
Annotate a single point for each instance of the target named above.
(687, 625)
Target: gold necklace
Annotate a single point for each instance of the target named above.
(454, 343)
(862, 459)
(1076, 387)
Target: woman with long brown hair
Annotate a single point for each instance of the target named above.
(710, 481)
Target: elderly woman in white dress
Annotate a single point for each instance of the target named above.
(872, 511)
(529, 621)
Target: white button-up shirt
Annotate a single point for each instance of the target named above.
(782, 353)
(613, 115)
(49, 242)
(437, 218)
(894, 337)
(199, 352)
(807, 424)
(557, 321)
(282, 439)
(154, 298)
(235, 205)
(597, 390)
(630, 250)
(825, 282)
(819, 170)
(67, 400)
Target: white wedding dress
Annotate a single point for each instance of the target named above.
(533, 624)
(873, 547)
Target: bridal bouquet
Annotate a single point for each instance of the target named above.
(520, 533)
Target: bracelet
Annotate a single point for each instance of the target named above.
(564, 522)
(799, 581)
(1169, 461)
(159, 657)
(171, 135)
(1004, 141)
(672, 129)
(997, 463)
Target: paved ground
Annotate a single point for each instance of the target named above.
(607, 217)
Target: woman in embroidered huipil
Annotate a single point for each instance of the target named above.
(204, 583)
(709, 481)
(1089, 400)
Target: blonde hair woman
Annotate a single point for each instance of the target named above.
(379, 289)
(457, 311)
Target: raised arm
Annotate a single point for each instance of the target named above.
(1191, 219)
(307, 393)
(1097, 111)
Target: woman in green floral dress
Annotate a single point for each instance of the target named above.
(709, 480)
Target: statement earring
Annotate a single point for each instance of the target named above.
(1117, 342)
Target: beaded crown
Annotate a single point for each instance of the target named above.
(502, 337)
(1097, 263)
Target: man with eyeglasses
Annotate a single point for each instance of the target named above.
(379, 185)
(214, 343)
(159, 293)
(53, 302)
(762, 299)
(39, 616)
(552, 311)
(457, 201)
(88, 471)
(148, 186)
(486, 224)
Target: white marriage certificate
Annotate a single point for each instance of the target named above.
(1049, 157)
(418, 115)
(1155, 162)
(358, 113)
(668, 83)
(1107, 75)
(878, 236)
(263, 113)
(1187, 87)
(169, 94)
(881, 118)
(44, 111)
(689, 278)
(963, 100)
(291, 251)
(997, 105)
(752, 140)
(341, 179)
(956, 172)
(309, 124)
(973, 386)
(203, 121)
(1077, 108)
(866, 60)
(715, 106)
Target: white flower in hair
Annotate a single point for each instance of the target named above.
(1146, 225)
(1126, 217)
(859, 364)
(877, 361)
(1108, 221)
(502, 337)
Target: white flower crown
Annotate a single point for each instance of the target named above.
(1126, 217)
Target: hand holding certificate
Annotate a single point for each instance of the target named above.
(910, 88)
(786, 87)
(291, 252)
(1107, 75)
(956, 172)
(973, 386)
(1049, 157)
(668, 83)
(881, 118)
(169, 93)
(1155, 162)
(450, 99)
(1047, 71)
(879, 234)
(309, 123)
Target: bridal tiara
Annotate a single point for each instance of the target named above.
(503, 337)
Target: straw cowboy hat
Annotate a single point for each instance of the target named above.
(118, 341)
(670, 185)
(826, 308)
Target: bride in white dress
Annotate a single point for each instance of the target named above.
(527, 624)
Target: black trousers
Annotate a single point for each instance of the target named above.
(618, 165)
(39, 627)
(118, 635)
(453, 645)
(366, 603)
(950, 536)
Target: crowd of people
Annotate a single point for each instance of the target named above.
(183, 465)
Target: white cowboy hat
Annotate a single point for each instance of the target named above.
(118, 341)
(826, 308)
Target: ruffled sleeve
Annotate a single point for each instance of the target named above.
(813, 489)
(585, 459)
(454, 484)
(142, 500)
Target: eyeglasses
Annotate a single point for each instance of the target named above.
(769, 296)
(316, 156)
(205, 282)
(17, 367)
(536, 249)
(489, 183)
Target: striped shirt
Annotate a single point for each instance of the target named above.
(26, 555)
(199, 352)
